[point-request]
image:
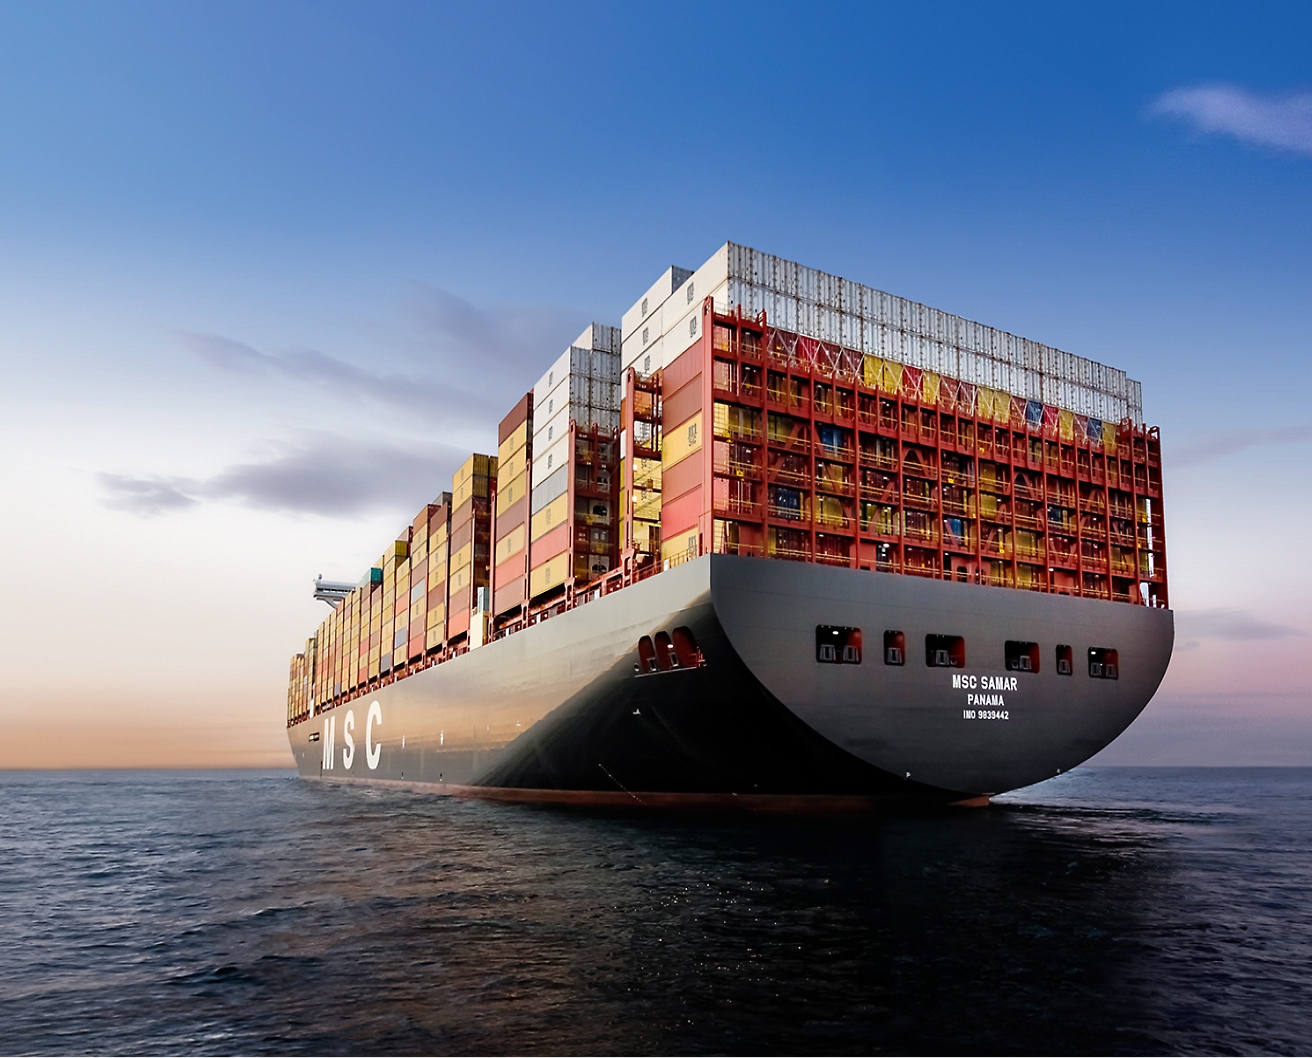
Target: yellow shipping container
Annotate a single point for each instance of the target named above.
(682, 441)
(1109, 436)
(929, 387)
(553, 514)
(437, 615)
(871, 370)
(549, 575)
(511, 468)
(468, 489)
(680, 547)
(510, 544)
(463, 557)
(475, 466)
(891, 377)
(511, 493)
(512, 444)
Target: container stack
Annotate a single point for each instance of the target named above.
(439, 554)
(576, 418)
(297, 704)
(816, 455)
(510, 566)
(814, 304)
(643, 326)
(472, 491)
(417, 600)
(395, 563)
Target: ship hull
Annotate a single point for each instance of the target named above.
(560, 712)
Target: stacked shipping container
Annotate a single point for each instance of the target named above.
(573, 523)
(439, 554)
(472, 491)
(814, 304)
(510, 563)
(825, 454)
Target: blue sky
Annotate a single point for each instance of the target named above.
(262, 265)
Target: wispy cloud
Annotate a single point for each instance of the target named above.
(1281, 121)
(324, 374)
(462, 362)
(323, 474)
(1232, 624)
(144, 496)
(517, 339)
(1218, 446)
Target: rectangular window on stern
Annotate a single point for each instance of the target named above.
(837, 645)
(1103, 663)
(945, 652)
(1022, 657)
(1065, 660)
(895, 648)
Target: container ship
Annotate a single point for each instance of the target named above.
(778, 541)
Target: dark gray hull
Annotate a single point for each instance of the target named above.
(558, 711)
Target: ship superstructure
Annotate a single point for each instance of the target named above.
(875, 461)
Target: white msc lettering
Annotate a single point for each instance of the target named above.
(372, 750)
(348, 751)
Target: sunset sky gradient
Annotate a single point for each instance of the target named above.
(268, 270)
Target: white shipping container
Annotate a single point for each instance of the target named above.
(828, 329)
(1051, 389)
(785, 307)
(808, 284)
(599, 336)
(1033, 384)
(637, 355)
(968, 366)
(552, 485)
(850, 297)
(851, 332)
(828, 291)
(604, 394)
(554, 454)
(653, 299)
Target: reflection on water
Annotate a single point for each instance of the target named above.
(1109, 911)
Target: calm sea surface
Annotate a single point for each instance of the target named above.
(1111, 910)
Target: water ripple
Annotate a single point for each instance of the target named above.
(1109, 911)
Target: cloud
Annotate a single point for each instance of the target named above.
(1230, 624)
(1283, 122)
(469, 363)
(324, 474)
(521, 339)
(144, 496)
(328, 375)
(1218, 446)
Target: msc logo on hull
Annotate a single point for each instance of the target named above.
(373, 750)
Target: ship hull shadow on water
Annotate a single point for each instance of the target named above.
(562, 711)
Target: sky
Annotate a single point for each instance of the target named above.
(267, 272)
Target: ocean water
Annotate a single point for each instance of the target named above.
(1108, 911)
